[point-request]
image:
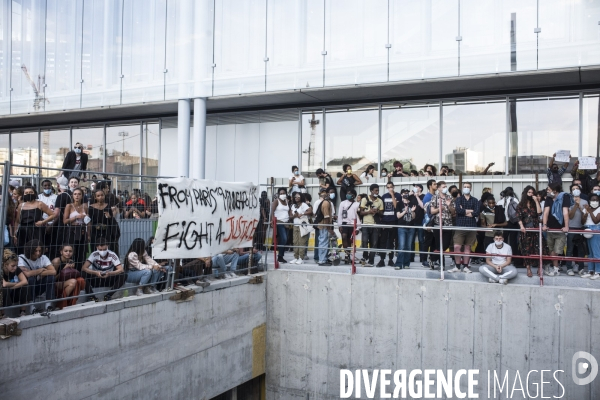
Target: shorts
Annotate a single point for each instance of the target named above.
(465, 238)
(556, 242)
(347, 230)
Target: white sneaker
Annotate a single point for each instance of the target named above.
(503, 281)
(466, 270)
(549, 272)
(139, 292)
(147, 290)
(490, 280)
(454, 270)
(586, 275)
(595, 276)
(557, 271)
(299, 261)
(153, 290)
(570, 272)
(294, 261)
(581, 272)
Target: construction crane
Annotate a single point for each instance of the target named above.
(39, 98)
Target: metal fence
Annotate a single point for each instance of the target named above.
(40, 273)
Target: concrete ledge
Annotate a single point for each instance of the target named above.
(77, 311)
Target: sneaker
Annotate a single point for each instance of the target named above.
(391, 262)
(147, 290)
(139, 292)
(503, 281)
(455, 269)
(407, 267)
(117, 295)
(425, 264)
(363, 260)
(570, 272)
(368, 264)
(466, 270)
(557, 271)
(586, 275)
(282, 260)
(490, 280)
(380, 264)
(154, 290)
(295, 261)
(549, 272)
(595, 276)
(581, 272)
(299, 261)
(202, 284)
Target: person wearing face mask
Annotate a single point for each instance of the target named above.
(405, 213)
(49, 198)
(323, 222)
(498, 268)
(384, 173)
(556, 219)
(445, 211)
(575, 241)
(371, 208)
(491, 217)
(347, 181)
(280, 209)
(75, 163)
(296, 183)
(417, 195)
(595, 190)
(389, 235)
(528, 211)
(347, 214)
(467, 212)
(591, 218)
(103, 268)
(299, 211)
(398, 170)
(554, 173)
(30, 218)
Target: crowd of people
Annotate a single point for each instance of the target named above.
(504, 227)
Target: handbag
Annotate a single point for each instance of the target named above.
(68, 273)
(305, 227)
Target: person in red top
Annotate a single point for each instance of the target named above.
(136, 208)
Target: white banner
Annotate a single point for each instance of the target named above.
(587, 163)
(201, 218)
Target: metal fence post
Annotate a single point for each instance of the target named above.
(541, 268)
(441, 242)
(275, 242)
(354, 248)
(5, 199)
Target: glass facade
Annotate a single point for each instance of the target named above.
(67, 54)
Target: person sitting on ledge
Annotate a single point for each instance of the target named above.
(220, 262)
(142, 269)
(103, 268)
(39, 271)
(499, 268)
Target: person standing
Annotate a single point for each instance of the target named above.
(48, 198)
(443, 211)
(299, 211)
(280, 209)
(491, 217)
(103, 223)
(528, 211)
(428, 239)
(591, 215)
(558, 222)
(59, 232)
(76, 217)
(509, 202)
(296, 183)
(405, 213)
(371, 208)
(347, 181)
(30, 221)
(467, 212)
(389, 235)
(347, 215)
(417, 195)
(554, 173)
(75, 163)
(575, 240)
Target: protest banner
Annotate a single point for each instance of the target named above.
(201, 218)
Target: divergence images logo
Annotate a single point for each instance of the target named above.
(580, 367)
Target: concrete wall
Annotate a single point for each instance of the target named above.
(140, 348)
(319, 323)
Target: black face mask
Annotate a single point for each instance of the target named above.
(29, 197)
(454, 194)
(555, 169)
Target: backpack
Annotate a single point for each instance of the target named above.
(428, 217)
(319, 214)
(513, 216)
(557, 207)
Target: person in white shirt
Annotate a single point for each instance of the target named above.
(296, 181)
(142, 269)
(49, 199)
(347, 214)
(498, 268)
(368, 174)
(103, 268)
(39, 271)
(299, 211)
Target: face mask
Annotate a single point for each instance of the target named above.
(47, 191)
(597, 192)
(594, 204)
(498, 242)
(576, 192)
(332, 196)
(296, 172)
(349, 197)
(454, 194)
(405, 196)
(349, 172)
(444, 190)
(77, 151)
(415, 190)
(29, 197)
(103, 253)
(384, 174)
(466, 190)
(550, 194)
(282, 197)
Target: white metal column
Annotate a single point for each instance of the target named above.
(580, 147)
(199, 161)
(183, 137)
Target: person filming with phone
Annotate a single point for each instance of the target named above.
(103, 269)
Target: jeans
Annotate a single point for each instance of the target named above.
(323, 245)
(575, 240)
(243, 260)
(220, 261)
(405, 237)
(594, 249)
(281, 240)
(44, 285)
(420, 234)
(370, 238)
(142, 276)
(316, 252)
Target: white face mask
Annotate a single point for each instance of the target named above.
(499, 242)
(594, 204)
(576, 192)
(103, 253)
(444, 190)
(466, 190)
(282, 197)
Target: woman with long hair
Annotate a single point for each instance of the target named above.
(528, 211)
(76, 216)
(103, 222)
(299, 211)
(142, 269)
(30, 218)
(13, 282)
(68, 280)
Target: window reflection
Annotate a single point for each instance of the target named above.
(55, 146)
(4, 150)
(591, 115)
(24, 152)
(312, 143)
(410, 135)
(92, 139)
(123, 149)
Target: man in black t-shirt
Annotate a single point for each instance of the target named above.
(405, 212)
(556, 238)
(418, 196)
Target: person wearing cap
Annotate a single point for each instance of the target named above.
(75, 163)
(371, 209)
(398, 170)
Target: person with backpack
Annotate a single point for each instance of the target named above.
(529, 210)
(324, 220)
(509, 202)
(371, 208)
(347, 215)
(556, 217)
(389, 235)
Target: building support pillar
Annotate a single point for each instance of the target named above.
(183, 137)
(199, 151)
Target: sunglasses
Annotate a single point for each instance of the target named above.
(79, 147)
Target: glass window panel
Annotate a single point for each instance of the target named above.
(92, 139)
(225, 144)
(240, 40)
(55, 146)
(123, 149)
(542, 127)
(355, 39)
(410, 135)
(150, 148)
(312, 143)
(5, 42)
(591, 126)
(247, 147)
(485, 28)
(143, 50)
(474, 136)
(101, 58)
(570, 33)
(351, 138)
(24, 152)
(63, 54)
(278, 135)
(423, 38)
(4, 150)
(28, 55)
(168, 147)
(294, 42)
(189, 50)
